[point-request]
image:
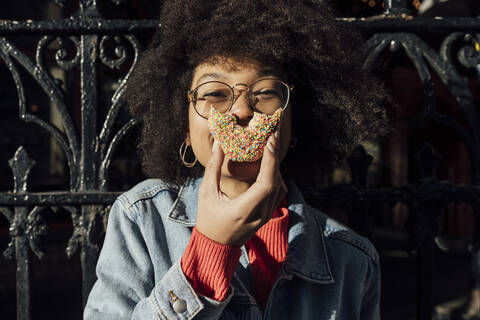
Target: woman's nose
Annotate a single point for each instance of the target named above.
(241, 109)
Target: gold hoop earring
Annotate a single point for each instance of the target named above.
(182, 152)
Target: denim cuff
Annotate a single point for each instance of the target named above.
(174, 285)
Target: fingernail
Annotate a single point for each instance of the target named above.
(270, 147)
(276, 134)
(215, 143)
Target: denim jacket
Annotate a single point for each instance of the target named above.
(329, 273)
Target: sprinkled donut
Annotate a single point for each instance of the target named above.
(239, 143)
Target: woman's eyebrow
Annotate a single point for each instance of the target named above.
(269, 72)
(217, 76)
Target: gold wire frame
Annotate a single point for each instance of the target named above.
(191, 93)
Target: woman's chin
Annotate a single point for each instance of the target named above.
(243, 171)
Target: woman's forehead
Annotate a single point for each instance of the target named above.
(230, 70)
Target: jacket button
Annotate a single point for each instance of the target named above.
(179, 305)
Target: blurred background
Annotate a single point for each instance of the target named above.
(56, 278)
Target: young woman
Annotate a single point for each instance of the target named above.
(212, 238)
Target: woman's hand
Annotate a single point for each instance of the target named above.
(234, 221)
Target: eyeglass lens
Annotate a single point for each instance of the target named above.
(265, 96)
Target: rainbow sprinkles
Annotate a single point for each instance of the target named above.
(243, 143)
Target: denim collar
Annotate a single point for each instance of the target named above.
(306, 255)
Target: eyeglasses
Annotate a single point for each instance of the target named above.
(265, 95)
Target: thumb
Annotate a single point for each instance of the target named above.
(269, 161)
(266, 176)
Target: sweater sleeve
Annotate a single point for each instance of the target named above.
(209, 265)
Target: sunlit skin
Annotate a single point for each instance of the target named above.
(235, 199)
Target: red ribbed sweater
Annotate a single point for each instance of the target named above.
(209, 265)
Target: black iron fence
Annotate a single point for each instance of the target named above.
(87, 144)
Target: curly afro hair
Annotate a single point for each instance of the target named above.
(335, 103)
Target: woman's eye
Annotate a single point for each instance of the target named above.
(265, 94)
(214, 94)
